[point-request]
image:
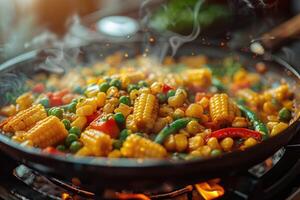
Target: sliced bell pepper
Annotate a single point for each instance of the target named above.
(93, 116)
(235, 133)
(109, 126)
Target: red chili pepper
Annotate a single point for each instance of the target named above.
(92, 117)
(235, 133)
(108, 126)
(38, 88)
(52, 150)
(166, 88)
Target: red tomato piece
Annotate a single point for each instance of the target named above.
(61, 93)
(38, 88)
(166, 88)
(55, 101)
(109, 127)
(52, 150)
(92, 117)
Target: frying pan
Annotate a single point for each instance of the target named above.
(97, 173)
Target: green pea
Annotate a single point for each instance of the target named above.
(67, 123)
(171, 93)
(162, 98)
(61, 148)
(45, 102)
(75, 146)
(132, 87)
(58, 112)
(216, 152)
(119, 118)
(285, 115)
(116, 83)
(103, 87)
(71, 138)
(74, 130)
(125, 100)
(142, 84)
(78, 90)
(72, 107)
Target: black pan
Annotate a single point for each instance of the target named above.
(96, 173)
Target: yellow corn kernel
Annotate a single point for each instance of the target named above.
(181, 142)
(250, 96)
(47, 132)
(132, 77)
(204, 102)
(204, 150)
(195, 142)
(205, 133)
(85, 110)
(177, 100)
(159, 124)
(25, 119)
(204, 118)
(279, 128)
(156, 87)
(269, 108)
(138, 147)
(249, 142)
(79, 122)
(165, 111)
(270, 125)
(194, 110)
(87, 101)
(194, 127)
(113, 92)
(221, 109)
(100, 144)
(114, 101)
(115, 154)
(101, 97)
(19, 136)
(170, 144)
(198, 77)
(213, 143)
(108, 108)
(91, 80)
(8, 111)
(240, 75)
(178, 113)
(280, 93)
(145, 111)
(130, 123)
(124, 109)
(273, 118)
(240, 122)
(24, 101)
(134, 94)
(227, 144)
(288, 104)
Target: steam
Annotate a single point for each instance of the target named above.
(167, 39)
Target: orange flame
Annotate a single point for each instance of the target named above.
(210, 190)
(125, 196)
(66, 196)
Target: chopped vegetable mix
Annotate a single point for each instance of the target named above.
(206, 109)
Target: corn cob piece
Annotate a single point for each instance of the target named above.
(145, 111)
(221, 109)
(198, 77)
(96, 142)
(132, 77)
(24, 101)
(47, 132)
(136, 146)
(25, 119)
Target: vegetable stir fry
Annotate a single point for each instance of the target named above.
(182, 109)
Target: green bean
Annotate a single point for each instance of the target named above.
(257, 124)
(171, 128)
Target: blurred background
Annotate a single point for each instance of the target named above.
(34, 24)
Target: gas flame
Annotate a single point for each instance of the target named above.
(210, 190)
(132, 196)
